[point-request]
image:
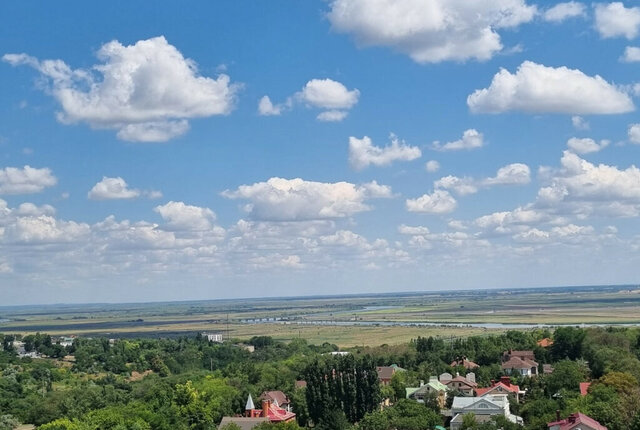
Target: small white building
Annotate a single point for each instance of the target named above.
(483, 409)
(213, 337)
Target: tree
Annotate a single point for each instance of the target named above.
(469, 421)
(8, 422)
(567, 343)
(566, 375)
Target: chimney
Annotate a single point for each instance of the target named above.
(505, 380)
(421, 383)
(493, 382)
(557, 414)
(266, 405)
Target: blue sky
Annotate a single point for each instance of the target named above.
(229, 149)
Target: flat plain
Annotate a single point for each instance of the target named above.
(373, 319)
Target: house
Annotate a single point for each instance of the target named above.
(213, 337)
(464, 384)
(467, 364)
(545, 343)
(576, 421)
(385, 373)
(271, 411)
(278, 398)
(245, 423)
(301, 384)
(503, 386)
(433, 386)
(483, 408)
(547, 369)
(584, 388)
(519, 362)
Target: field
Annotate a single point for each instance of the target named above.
(343, 320)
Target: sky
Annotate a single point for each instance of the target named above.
(240, 149)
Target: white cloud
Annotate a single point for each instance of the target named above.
(146, 91)
(5, 267)
(29, 209)
(471, 139)
(512, 174)
(461, 186)
(586, 145)
(45, 229)
(563, 11)
(112, 189)
(413, 231)
(332, 115)
(296, 199)
(582, 188)
(267, 108)
(535, 88)
(615, 20)
(579, 123)
(430, 31)
(180, 216)
(363, 153)
(432, 166)
(631, 54)
(439, 202)
(634, 133)
(26, 180)
(327, 94)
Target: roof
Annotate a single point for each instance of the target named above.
(243, 422)
(547, 368)
(468, 402)
(546, 342)
(467, 364)
(386, 372)
(437, 385)
(519, 363)
(506, 387)
(584, 388)
(409, 391)
(277, 397)
(575, 420)
(249, 404)
(301, 384)
(434, 385)
(277, 414)
(461, 379)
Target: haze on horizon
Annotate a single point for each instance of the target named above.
(314, 148)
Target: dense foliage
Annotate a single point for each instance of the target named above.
(191, 383)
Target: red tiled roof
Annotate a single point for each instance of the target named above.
(385, 372)
(511, 388)
(575, 420)
(277, 414)
(546, 342)
(584, 388)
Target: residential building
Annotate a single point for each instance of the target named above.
(467, 364)
(519, 362)
(464, 384)
(385, 373)
(433, 386)
(545, 343)
(503, 386)
(576, 421)
(213, 337)
(483, 409)
(277, 398)
(245, 423)
(271, 411)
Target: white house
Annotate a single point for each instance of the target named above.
(483, 408)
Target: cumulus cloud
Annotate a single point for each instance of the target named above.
(616, 20)
(586, 145)
(579, 123)
(331, 96)
(112, 189)
(410, 230)
(26, 180)
(535, 88)
(512, 174)
(45, 229)
(362, 152)
(582, 188)
(563, 11)
(471, 139)
(439, 202)
(634, 133)
(296, 199)
(430, 31)
(180, 216)
(631, 54)
(147, 91)
(432, 166)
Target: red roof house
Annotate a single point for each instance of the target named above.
(545, 343)
(271, 411)
(467, 364)
(576, 421)
(276, 397)
(503, 386)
